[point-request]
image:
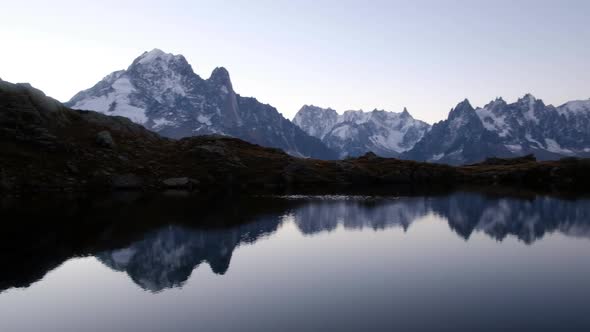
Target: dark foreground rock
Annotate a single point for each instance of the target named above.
(45, 146)
(105, 139)
(180, 183)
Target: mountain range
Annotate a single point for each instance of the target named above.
(468, 135)
(355, 133)
(162, 92)
(527, 126)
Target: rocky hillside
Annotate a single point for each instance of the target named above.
(162, 92)
(355, 133)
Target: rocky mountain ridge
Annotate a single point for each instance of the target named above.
(499, 129)
(162, 92)
(355, 133)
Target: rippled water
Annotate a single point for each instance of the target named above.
(463, 261)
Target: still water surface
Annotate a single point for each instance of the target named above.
(463, 261)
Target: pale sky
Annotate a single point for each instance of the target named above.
(424, 55)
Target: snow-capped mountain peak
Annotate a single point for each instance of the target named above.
(156, 55)
(462, 109)
(528, 97)
(575, 107)
(497, 103)
(162, 92)
(316, 121)
(507, 130)
(355, 133)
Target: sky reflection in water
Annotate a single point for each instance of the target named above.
(460, 261)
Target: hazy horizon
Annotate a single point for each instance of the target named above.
(425, 56)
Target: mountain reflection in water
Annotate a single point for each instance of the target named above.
(159, 243)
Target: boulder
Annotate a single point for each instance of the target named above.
(105, 140)
(180, 183)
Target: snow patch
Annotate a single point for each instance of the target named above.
(342, 132)
(457, 123)
(574, 107)
(532, 140)
(156, 54)
(390, 140)
(493, 122)
(514, 147)
(357, 117)
(530, 113)
(161, 122)
(203, 119)
(437, 157)
(116, 102)
(553, 146)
